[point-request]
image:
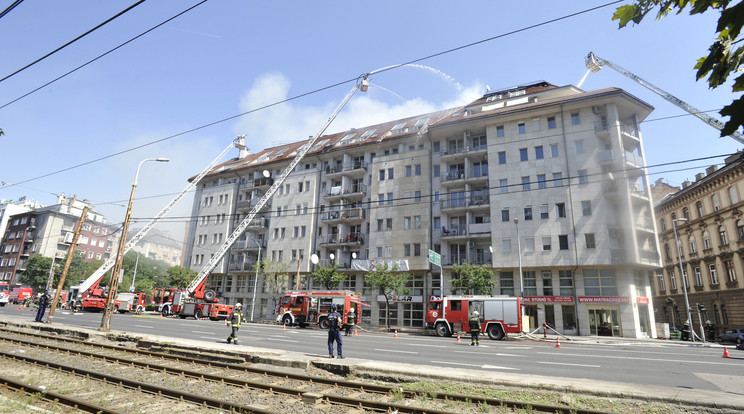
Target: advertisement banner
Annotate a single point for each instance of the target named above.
(603, 299)
(548, 299)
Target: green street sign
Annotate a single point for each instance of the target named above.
(435, 258)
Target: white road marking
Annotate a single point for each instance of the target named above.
(396, 351)
(635, 358)
(433, 346)
(497, 354)
(144, 326)
(473, 365)
(572, 365)
(200, 332)
(283, 340)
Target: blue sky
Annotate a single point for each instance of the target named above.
(224, 58)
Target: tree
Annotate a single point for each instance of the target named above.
(328, 276)
(473, 279)
(721, 61)
(180, 277)
(387, 282)
(36, 274)
(274, 276)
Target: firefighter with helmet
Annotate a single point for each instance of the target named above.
(686, 332)
(474, 325)
(234, 321)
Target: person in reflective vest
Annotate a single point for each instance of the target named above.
(686, 332)
(474, 325)
(234, 322)
(334, 333)
(350, 322)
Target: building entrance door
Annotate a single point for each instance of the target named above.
(604, 322)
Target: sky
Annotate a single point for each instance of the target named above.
(177, 90)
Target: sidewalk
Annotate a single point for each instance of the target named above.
(363, 368)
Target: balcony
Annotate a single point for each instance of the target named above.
(259, 223)
(480, 259)
(350, 239)
(242, 266)
(353, 169)
(346, 215)
(353, 192)
(455, 232)
(250, 203)
(249, 244)
(453, 178)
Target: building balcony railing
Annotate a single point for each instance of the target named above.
(453, 176)
(350, 239)
(242, 266)
(259, 223)
(358, 166)
(338, 192)
(249, 244)
(353, 214)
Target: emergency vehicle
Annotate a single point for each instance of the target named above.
(163, 299)
(4, 293)
(130, 302)
(303, 308)
(19, 294)
(499, 315)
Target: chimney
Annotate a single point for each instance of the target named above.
(699, 176)
(710, 170)
(686, 183)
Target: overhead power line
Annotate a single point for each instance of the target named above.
(74, 40)
(9, 8)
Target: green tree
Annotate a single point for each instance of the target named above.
(387, 281)
(36, 274)
(150, 273)
(274, 276)
(473, 279)
(328, 276)
(723, 57)
(179, 277)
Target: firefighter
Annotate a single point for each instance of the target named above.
(334, 333)
(686, 332)
(710, 331)
(234, 321)
(474, 325)
(350, 322)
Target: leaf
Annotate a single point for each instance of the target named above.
(736, 112)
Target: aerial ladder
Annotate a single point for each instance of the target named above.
(594, 63)
(196, 297)
(88, 289)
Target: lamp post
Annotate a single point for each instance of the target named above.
(682, 274)
(114, 284)
(255, 282)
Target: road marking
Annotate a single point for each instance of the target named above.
(472, 365)
(283, 340)
(635, 358)
(433, 346)
(201, 332)
(396, 351)
(144, 326)
(573, 365)
(497, 354)
(497, 367)
(208, 337)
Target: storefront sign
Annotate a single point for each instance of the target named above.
(548, 299)
(603, 299)
(401, 298)
(643, 300)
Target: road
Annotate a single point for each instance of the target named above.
(639, 362)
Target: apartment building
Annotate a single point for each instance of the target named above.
(157, 244)
(543, 178)
(707, 217)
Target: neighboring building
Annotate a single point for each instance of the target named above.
(565, 165)
(157, 245)
(710, 229)
(49, 231)
(9, 208)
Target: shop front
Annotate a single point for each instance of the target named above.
(603, 314)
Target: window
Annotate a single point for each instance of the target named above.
(521, 128)
(528, 213)
(698, 276)
(409, 171)
(382, 175)
(563, 242)
(506, 280)
(390, 198)
(740, 230)
(530, 283)
(547, 277)
(416, 222)
(529, 244)
(575, 119)
(536, 125)
(699, 207)
(437, 171)
(417, 196)
(554, 150)
(728, 265)
(379, 224)
(541, 183)
(590, 244)
(523, 154)
(579, 147)
(406, 223)
(586, 207)
(500, 131)
(551, 122)
(663, 224)
(503, 186)
(600, 282)
(390, 173)
(389, 224)
(544, 212)
(557, 179)
(686, 213)
(546, 243)
(406, 250)
(505, 214)
(733, 196)
(437, 147)
(560, 209)
(706, 240)
(713, 274)
(566, 283)
(722, 235)
(502, 157)
(539, 153)
(417, 169)
(417, 249)
(583, 177)
(693, 248)
(716, 204)
(525, 183)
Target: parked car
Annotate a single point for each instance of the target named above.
(732, 335)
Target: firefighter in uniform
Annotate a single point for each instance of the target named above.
(350, 322)
(234, 322)
(686, 332)
(474, 325)
(334, 333)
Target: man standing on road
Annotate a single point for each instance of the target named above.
(350, 322)
(334, 332)
(234, 321)
(43, 303)
(474, 325)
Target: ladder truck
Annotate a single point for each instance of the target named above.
(594, 63)
(197, 300)
(87, 295)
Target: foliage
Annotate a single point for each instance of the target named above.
(387, 282)
(36, 274)
(179, 277)
(722, 59)
(150, 273)
(274, 276)
(328, 276)
(473, 279)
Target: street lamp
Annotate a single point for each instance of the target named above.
(114, 285)
(255, 282)
(682, 273)
(519, 255)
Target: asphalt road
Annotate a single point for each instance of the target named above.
(639, 362)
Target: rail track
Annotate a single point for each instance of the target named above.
(163, 381)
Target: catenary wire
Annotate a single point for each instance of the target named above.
(9, 8)
(295, 97)
(109, 20)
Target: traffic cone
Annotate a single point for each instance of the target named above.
(558, 342)
(285, 327)
(355, 331)
(396, 334)
(725, 353)
(458, 337)
(161, 316)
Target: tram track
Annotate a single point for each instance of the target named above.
(313, 390)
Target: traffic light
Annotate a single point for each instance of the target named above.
(701, 307)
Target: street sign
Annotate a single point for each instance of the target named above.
(435, 258)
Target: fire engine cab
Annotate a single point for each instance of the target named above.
(130, 302)
(4, 293)
(303, 308)
(499, 315)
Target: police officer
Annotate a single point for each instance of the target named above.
(43, 303)
(234, 321)
(334, 333)
(474, 325)
(350, 322)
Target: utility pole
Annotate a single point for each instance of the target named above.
(70, 252)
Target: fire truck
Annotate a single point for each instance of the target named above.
(163, 299)
(303, 308)
(19, 294)
(499, 315)
(4, 293)
(130, 302)
(198, 301)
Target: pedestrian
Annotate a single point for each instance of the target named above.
(43, 303)
(350, 322)
(234, 321)
(474, 325)
(334, 333)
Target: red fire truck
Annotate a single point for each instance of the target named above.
(4, 293)
(17, 295)
(163, 298)
(499, 315)
(303, 308)
(130, 302)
